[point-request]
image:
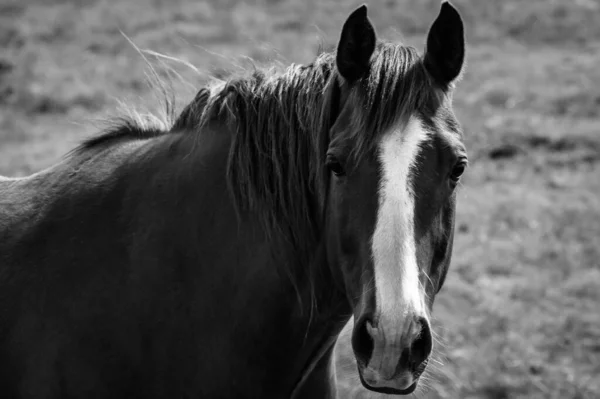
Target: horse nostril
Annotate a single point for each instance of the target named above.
(362, 341)
(421, 346)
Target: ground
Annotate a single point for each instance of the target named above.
(519, 316)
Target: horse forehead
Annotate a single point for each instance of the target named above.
(399, 148)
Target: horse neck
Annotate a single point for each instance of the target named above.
(315, 310)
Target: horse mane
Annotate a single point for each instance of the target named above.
(120, 129)
(140, 126)
(280, 126)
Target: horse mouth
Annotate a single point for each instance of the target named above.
(388, 390)
(418, 370)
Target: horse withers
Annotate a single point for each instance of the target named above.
(221, 257)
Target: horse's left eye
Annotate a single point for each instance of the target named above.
(458, 171)
(335, 166)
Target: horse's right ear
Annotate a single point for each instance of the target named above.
(356, 45)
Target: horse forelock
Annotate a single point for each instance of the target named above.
(396, 88)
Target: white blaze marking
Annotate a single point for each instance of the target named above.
(398, 291)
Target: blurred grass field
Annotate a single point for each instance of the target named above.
(519, 316)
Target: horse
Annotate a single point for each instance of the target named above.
(221, 256)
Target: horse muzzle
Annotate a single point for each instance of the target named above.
(392, 356)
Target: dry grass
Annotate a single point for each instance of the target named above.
(519, 315)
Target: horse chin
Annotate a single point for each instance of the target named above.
(390, 391)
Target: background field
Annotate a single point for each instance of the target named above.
(519, 316)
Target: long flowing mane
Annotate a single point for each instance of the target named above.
(280, 125)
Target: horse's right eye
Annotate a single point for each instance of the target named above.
(335, 166)
(458, 171)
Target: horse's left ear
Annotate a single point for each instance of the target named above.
(356, 45)
(445, 52)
